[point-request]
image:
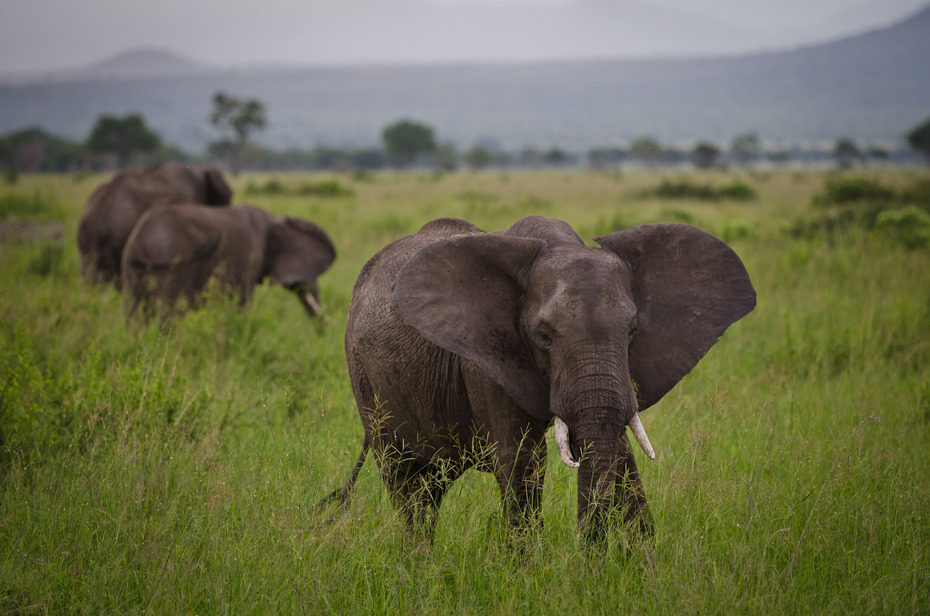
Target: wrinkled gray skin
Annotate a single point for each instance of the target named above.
(464, 345)
(175, 250)
(115, 207)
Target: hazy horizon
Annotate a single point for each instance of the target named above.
(353, 32)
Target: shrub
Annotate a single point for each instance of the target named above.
(325, 188)
(322, 188)
(856, 201)
(684, 189)
(842, 189)
(271, 187)
(737, 191)
(910, 225)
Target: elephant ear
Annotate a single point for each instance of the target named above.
(218, 191)
(297, 251)
(462, 295)
(688, 287)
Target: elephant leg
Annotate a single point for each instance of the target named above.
(417, 489)
(521, 482)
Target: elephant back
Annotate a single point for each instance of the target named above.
(165, 236)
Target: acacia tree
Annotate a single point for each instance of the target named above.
(919, 139)
(705, 155)
(746, 149)
(405, 140)
(648, 150)
(237, 119)
(123, 137)
(846, 153)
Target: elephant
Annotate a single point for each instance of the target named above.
(464, 346)
(175, 249)
(115, 207)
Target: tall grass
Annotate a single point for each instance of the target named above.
(151, 470)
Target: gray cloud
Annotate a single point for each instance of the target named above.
(38, 35)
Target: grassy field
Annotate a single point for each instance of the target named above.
(174, 471)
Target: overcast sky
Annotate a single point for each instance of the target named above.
(47, 35)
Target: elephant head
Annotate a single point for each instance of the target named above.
(200, 183)
(586, 336)
(296, 253)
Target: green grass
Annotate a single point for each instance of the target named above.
(174, 472)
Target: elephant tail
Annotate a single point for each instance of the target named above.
(344, 494)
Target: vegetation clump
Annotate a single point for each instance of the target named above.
(325, 188)
(320, 188)
(35, 206)
(685, 189)
(863, 202)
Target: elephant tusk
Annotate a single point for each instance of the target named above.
(312, 303)
(640, 433)
(561, 443)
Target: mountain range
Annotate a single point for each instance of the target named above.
(873, 86)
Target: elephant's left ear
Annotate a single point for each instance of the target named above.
(463, 294)
(689, 287)
(298, 251)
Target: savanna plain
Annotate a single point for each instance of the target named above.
(174, 469)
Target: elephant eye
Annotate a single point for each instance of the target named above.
(544, 336)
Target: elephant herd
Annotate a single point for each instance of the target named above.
(463, 346)
(161, 234)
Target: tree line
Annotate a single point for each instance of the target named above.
(119, 142)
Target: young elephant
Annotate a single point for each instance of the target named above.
(176, 249)
(464, 346)
(114, 209)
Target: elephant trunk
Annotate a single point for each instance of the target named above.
(597, 389)
(563, 440)
(609, 483)
(598, 404)
(597, 478)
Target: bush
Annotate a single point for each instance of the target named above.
(325, 188)
(840, 189)
(737, 191)
(856, 201)
(322, 188)
(910, 225)
(271, 187)
(684, 189)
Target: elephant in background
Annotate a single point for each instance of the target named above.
(115, 207)
(463, 347)
(176, 249)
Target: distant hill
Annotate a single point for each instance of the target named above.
(868, 87)
(133, 64)
(145, 63)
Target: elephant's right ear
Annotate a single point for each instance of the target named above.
(462, 295)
